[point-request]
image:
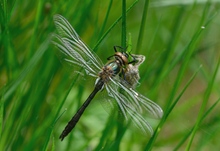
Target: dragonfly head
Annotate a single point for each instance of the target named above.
(122, 57)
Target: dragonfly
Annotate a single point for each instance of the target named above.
(118, 77)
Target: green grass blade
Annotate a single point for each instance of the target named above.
(103, 141)
(143, 23)
(36, 26)
(188, 52)
(204, 104)
(190, 132)
(1, 113)
(30, 66)
(123, 31)
(167, 113)
(106, 18)
(57, 116)
(168, 56)
(112, 26)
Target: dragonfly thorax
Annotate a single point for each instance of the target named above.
(109, 71)
(113, 67)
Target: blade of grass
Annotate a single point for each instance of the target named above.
(36, 24)
(168, 55)
(150, 46)
(56, 118)
(190, 132)
(86, 9)
(106, 18)
(121, 129)
(123, 31)
(188, 52)
(1, 113)
(204, 103)
(180, 57)
(143, 22)
(30, 66)
(105, 134)
(6, 41)
(112, 26)
(120, 126)
(167, 113)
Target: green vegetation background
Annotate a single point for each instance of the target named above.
(180, 40)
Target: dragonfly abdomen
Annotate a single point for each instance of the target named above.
(72, 123)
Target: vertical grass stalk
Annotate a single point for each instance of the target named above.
(123, 31)
(204, 103)
(143, 22)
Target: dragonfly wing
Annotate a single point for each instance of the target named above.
(133, 105)
(73, 50)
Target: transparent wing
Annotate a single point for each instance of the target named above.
(133, 105)
(72, 49)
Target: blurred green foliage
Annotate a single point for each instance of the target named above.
(180, 40)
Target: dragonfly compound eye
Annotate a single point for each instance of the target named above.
(123, 58)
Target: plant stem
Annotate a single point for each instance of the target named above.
(141, 31)
(123, 34)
